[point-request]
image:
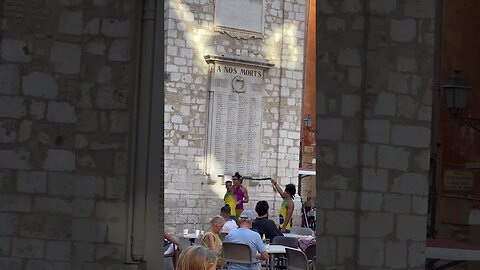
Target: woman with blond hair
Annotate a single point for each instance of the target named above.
(211, 239)
(197, 258)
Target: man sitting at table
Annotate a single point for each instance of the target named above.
(262, 224)
(244, 235)
(230, 224)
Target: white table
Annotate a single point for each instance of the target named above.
(190, 236)
(298, 236)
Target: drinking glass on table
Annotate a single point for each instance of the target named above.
(267, 243)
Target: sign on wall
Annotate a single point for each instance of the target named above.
(235, 119)
(240, 18)
(458, 181)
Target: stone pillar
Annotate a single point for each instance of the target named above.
(374, 107)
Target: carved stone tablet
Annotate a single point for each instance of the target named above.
(240, 18)
(235, 119)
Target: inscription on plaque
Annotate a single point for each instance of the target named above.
(458, 181)
(236, 117)
(240, 18)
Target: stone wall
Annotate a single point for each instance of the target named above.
(189, 35)
(66, 85)
(374, 115)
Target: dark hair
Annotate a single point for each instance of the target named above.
(225, 209)
(238, 176)
(261, 208)
(228, 181)
(290, 188)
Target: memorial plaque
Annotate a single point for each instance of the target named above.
(240, 18)
(458, 181)
(235, 119)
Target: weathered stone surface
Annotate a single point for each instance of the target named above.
(340, 223)
(39, 84)
(66, 185)
(411, 136)
(327, 247)
(419, 205)
(390, 157)
(66, 57)
(398, 83)
(111, 98)
(411, 227)
(15, 51)
(8, 131)
(89, 230)
(9, 224)
(422, 9)
(371, 252)
(5, 247)
(25, 130)
(376, 224)
(355, 77)
(345, 249)
(87, 121)
(120, 50)
(59, 160)
(377, 131)
(41, 264)
(9, 79)
(411, 183)
(406, 64)
(396, 255)
(350, 105)
(386, 104)
(383, 6)
(347, 155)
(15, 203)
(46, 227)
(12, 107)
(116, 28)
(96, 47)
(37, 109)
(119, 121)
(371, 201)
(61, 112)
(108, 251)
(333, 129)
(349, 57)
(92, 27)
(58, 250)
(83, 252)
(10, 263)
(115, 187)
(375, 179)
(403, 30)
(397, 203)
(336, 24)
(28, 248)
(416, 254)
(351, 6)
(14, 159)
(345, 199)
(32, 182)
(406, 106)
(70, 22)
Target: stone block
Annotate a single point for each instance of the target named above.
(116, 28)
(349, 57)
(66, 57)
(345, 250)
(416, 254)
(70, 22)
(113, 210)
(9, 79)
(390, 157)
(421, 9)
(111, 98)
(52, 205)
(351, 6)
(396, 255)
(28, 248)
(406, 64)
(90, 230)
(345, 199)
(425, 113)
(59, 160)
(412, 136)
(25, 130)
(87, 121)
(16, 51)
(66, 185)
(326, 250)
(120, 50)
(377, 225)
(18, 159)
(116, 231)
(52, 227)
(340, 223)
(375, 179)
(422, 160)
(41, 264)
(411, 227)
(37, 109)
(397, 203)
(403, 30)
(120, 163)
(383, 6)
(398, 83)
(9, 224)
(5, 247)
(105, 75)
(31, 181)
(108, 252)
(39, 84)
(386, 104)
(119, 121)
(406, 107)
(115, 187)
(371, 252)
(371, 201)
(8, 131)
(335, 24)
(419, 205)
(61, 112)
(83, 252)
(333, 129)
(350, 105)
(411, 183)
(12, 107)
(336, 182)
(377, 131)
(96, 47)
(10, 263)
(326, 199)
(92, 27)
(355, 77)
(347, 155)
(83, 207)
(58, 250)
(369, 157)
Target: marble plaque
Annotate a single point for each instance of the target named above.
(235, 120)
(240, 18)
(458, 180)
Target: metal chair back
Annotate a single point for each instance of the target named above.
(296, 260)
(301, 230)
(310, 252)
(285, 241)
(237, 253)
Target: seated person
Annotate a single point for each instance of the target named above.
(262, 224)
(244, 235)
(211, 239)
(230, 224)
(172, 247)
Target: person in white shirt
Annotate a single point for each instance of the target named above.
(230, 224)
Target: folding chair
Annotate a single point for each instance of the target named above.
(301, 230)
(237, 253)
(284, 241)
(296, 260)
(310, 252)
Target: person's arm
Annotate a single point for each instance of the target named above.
(245, 195)
(212, 246)
(290, 208)
(264, 256)
(278, 188)
(172, 239)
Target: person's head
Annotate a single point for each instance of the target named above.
(290, 189)
(261, 208)
(309, 198)
(197, 258)
(228, 185)
(225, 212)
(246, 219)
(237, 179)
(216, 224)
